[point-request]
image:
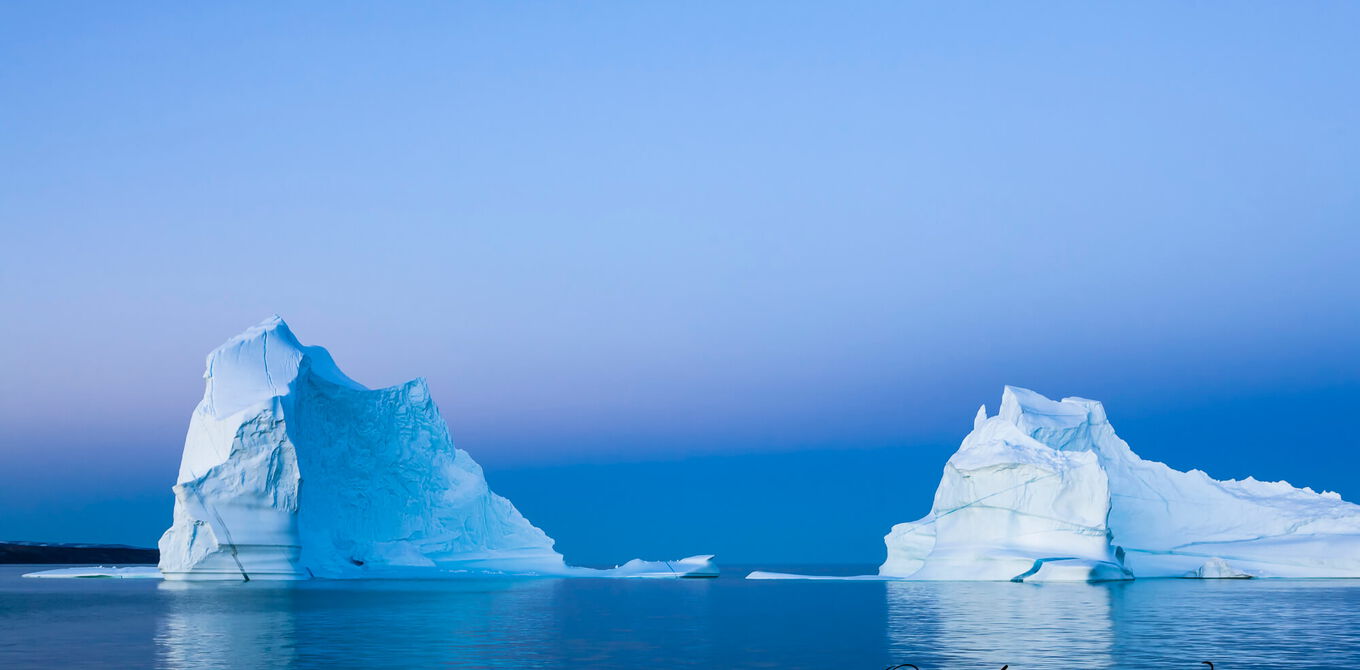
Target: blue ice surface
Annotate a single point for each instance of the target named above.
(714, 623)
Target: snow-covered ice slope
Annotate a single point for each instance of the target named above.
(293, 470)
(1047, 490)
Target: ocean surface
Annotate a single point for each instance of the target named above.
(727, 622)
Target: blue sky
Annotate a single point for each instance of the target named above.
(683, 277)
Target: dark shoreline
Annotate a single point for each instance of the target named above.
(49, 552)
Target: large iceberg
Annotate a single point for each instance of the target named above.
(293, 470)
(1046, 491)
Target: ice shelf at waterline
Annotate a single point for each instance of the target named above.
(293, 470)
(1045, 491)
(100, 571)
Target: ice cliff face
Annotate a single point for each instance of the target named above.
(293, 470)
(1046, 490)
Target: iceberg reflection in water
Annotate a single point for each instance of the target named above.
(252, 630)
(467, 623)
(1163, 623)
(988, 624)
(606, 624)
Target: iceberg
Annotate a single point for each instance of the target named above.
(1046, 491)
(292, 470)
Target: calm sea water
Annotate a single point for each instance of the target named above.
(720, 623)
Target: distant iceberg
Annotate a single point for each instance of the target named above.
(293, 470)
(1046, 491)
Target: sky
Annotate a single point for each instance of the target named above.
(695, 277)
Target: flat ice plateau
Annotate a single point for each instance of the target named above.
(1046, 491)
(293, 470)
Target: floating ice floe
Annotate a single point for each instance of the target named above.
(691, 567)
(100, 571)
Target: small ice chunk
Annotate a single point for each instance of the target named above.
(1216, 568)
(761, 574)
(693, 566)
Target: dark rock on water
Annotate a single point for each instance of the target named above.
(48, 552)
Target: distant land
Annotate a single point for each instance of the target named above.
(50, 552)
